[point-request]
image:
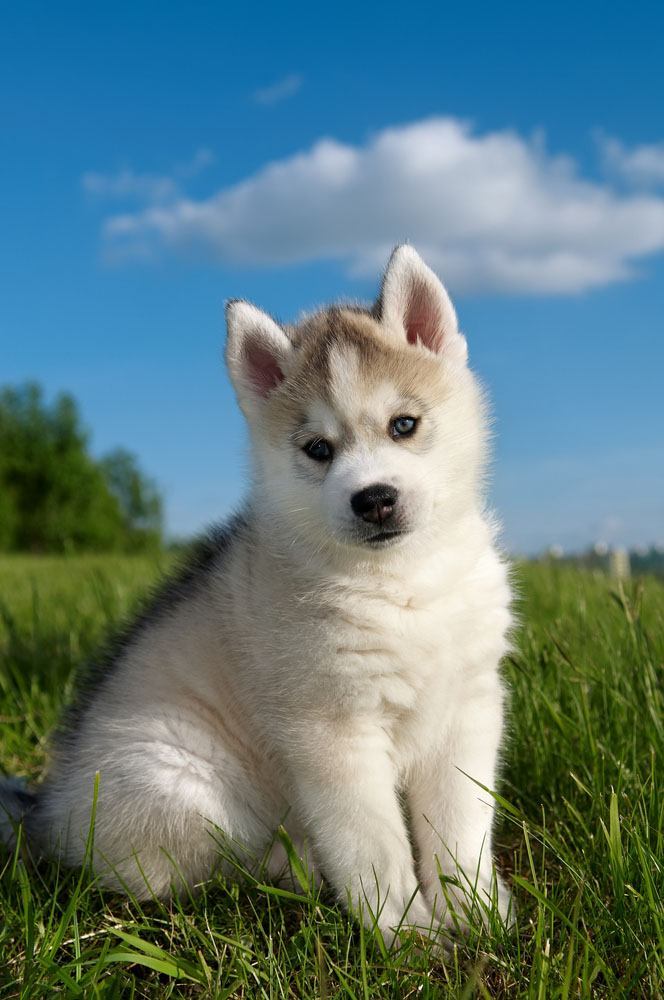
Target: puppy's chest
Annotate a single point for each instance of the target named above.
(382, 654)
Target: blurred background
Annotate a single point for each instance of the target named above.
(160, 158)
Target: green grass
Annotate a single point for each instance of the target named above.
(580, 831)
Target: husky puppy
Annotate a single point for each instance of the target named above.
(331, 659)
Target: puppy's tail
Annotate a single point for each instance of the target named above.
(16, 802)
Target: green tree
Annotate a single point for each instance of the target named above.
(54, 496)
(138, 496)
(7, 518)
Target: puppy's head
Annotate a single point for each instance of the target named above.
(367, 425)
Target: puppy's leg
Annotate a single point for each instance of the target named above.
(452, 815)
(345, 793)
(160, 813)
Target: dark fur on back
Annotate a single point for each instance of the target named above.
(201, 556)
(20, 803)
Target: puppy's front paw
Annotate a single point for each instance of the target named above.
(398, 921)
(459, 906)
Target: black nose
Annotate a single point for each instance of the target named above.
(375, 503)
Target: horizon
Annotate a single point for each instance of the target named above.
(157, 168)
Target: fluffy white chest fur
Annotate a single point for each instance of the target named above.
(331, 661)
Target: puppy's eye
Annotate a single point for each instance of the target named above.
(319, 449)
(402, 427)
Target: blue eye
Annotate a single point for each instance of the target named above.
(319, 449)
(402, 427)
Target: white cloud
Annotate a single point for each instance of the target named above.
(201, 160)
(126, 184)
(492, 212)
(279, 91)
(642, 166)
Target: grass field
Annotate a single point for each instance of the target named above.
(580, 831)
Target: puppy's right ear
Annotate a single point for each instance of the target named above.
(257, 350)
(414, 306)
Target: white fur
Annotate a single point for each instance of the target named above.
(309, 680)
(407, 281)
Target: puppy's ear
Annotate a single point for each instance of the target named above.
(414, 306)
(257, 350)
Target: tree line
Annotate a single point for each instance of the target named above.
(55, 496)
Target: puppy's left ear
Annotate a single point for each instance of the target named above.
(414, 306)
(257, 351)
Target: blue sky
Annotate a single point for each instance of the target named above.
(159, 159)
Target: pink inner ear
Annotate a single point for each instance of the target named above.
(262, 368)
(422, 320)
